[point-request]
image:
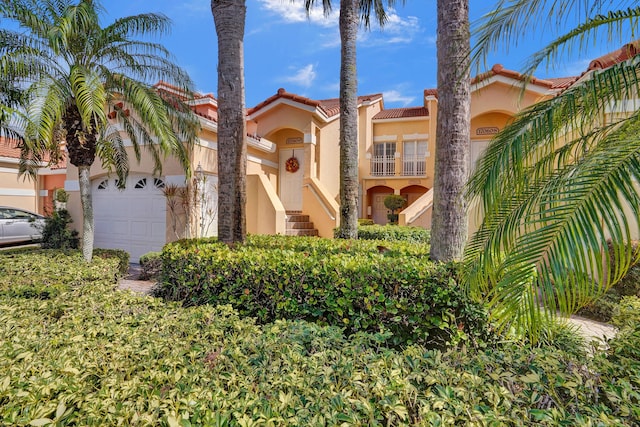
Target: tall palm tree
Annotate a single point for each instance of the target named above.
(74, 71)
(352, 12)
(229, 18)
(450, 217)
(556, 182)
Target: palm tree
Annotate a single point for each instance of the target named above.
(74, 71)
(229, 18)
(556, 183)
(450, 218)
(352, 12)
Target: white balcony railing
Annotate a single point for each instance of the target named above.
(383, 165)
(414, 166)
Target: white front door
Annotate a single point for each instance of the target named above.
(291, 182)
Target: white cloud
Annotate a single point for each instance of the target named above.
(395, 96)
(303, 76)
(294, 12)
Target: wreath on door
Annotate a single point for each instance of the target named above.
(292, 164)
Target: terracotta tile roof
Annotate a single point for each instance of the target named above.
(9, 148)
(431, 92)
(330, 107)
(562, 82)
(402, 113)
(627, 51)
(499, 70)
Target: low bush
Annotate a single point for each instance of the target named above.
(343, 283)
(95, 357)
(150, 266)
(45, 273)
(56, 233)
(394, 233)
(118, 254)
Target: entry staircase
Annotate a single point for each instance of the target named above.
(299, 225)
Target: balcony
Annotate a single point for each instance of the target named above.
(414, 166)
(383, 165)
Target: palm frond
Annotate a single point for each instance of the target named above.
(556, 186)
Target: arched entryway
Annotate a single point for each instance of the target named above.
(375, 196)
(411, 193)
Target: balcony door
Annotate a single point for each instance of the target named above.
(383, 162)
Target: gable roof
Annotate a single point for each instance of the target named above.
(328, 107)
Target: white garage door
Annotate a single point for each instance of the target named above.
(133, 219)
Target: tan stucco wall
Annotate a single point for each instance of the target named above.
(265, 213)
(18, 192)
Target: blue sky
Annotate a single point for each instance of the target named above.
(285, 48)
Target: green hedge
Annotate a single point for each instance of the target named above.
(344, 283)
(392, 233)
(92, 356)
(44, 273)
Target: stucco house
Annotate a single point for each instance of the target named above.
(287, 196)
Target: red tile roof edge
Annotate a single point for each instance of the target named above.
(405, 112)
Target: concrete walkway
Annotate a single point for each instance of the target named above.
(589, 329)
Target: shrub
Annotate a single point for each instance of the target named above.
(45, 273)
(393, 233)
(360, 290)
(92, 356)
(119, 254)
(365, 221)
(56, 233)
(151, 266)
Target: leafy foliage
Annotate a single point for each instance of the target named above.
(394, 233)
(554, 185)
(331, 282)
(151, 266)
(56, 233)
(91, 356)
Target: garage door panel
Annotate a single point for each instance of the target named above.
(133, 219)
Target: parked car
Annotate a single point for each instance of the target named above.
(19, 226)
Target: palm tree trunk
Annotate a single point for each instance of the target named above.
(84, 181)
(229, 19)
(348, 120)
(450, 216)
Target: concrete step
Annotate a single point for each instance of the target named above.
(302, 232)
(297, 218)
(298, 225)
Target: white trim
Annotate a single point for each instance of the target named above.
(179, 180)
(207, 144)
(294, 104)
(9, 170)
(72, 185)
(260, 161)
(309, 138)
(17, 192)
(385, 138)
(208, 124)
(415, 137)
(11, 160)
(44, 193)
(531, 86)
(49, 171)
(203, 101)
(262, 144)
(627, 106)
